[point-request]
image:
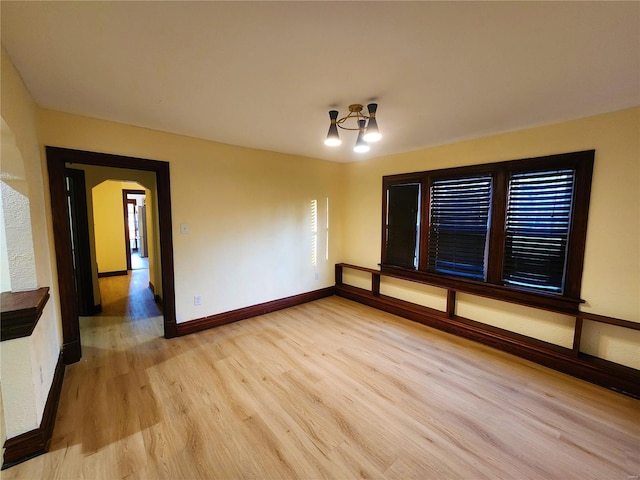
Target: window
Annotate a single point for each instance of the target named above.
(403, 222)
(314, 233)
(537, 229)
(516, 226)
(459, 226)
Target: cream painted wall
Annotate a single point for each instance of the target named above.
(229, 197)
(28, 364)
(247, 212)
(611, 279)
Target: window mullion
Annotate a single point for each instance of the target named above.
(496, 233)
(423, 258)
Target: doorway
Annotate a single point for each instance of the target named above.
(135, 228)
(56, 160)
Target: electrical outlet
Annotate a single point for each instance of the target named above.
(41, 377)
(317, 276)
(197, 300)
(184, 228)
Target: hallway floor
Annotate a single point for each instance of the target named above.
(138, 262)
(127, 296)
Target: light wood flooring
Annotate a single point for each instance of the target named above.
(329, 389)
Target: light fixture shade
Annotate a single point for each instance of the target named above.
(361, 145)
(333, 139)
(372, 134)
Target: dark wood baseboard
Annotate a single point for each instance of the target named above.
(199, 324)
(36, 442)
(595, 370)
(71, 352)
(115, 273)
(156, 298)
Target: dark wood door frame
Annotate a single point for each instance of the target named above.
(125, 203)
(56, 159)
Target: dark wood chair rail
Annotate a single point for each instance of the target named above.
(571, 360)
(582, 315)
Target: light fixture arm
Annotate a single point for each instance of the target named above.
(355, 112)
(366, 126)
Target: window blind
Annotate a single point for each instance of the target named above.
(459, 219)
(537, 226)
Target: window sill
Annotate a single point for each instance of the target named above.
(553, 303)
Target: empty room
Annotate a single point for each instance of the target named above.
(317, 239)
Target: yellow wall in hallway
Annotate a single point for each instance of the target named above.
(111, 255)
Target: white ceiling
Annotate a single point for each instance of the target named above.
(265, 74)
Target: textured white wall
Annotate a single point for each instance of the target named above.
(28, 364)
(5, 278)
(18, 396)
(17, 227)
(16, 214)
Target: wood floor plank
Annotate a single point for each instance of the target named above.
(329, 389)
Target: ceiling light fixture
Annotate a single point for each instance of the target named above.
(367, 131)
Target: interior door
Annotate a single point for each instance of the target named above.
(81, 253)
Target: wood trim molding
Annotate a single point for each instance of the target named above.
(36, 442)
(205, 323)
(156, 298)
(115, 273)
(609, 320)
(20, 312)
(595, 370)
(552, 303)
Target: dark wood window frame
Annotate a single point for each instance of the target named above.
(582, 162)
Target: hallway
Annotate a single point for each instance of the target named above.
(127, 296)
